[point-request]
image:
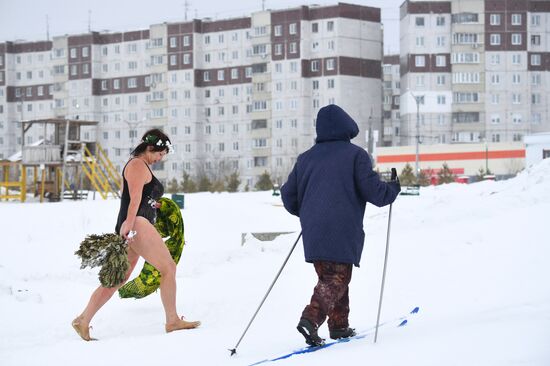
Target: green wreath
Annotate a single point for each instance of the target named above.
(109, 252)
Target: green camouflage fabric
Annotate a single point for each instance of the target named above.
(169, 224)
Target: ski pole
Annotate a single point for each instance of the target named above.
(234, 350)
(393, 178)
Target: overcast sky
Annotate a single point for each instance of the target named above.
(26, 19)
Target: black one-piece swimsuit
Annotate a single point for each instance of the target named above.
(151, 193)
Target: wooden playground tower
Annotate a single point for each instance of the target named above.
(66, 167)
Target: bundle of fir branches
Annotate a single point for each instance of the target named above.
(107, 251)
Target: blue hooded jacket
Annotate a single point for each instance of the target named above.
(329, 187)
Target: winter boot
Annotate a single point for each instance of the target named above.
(342, 333)
(309, 331)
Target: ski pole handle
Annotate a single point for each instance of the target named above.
(393, 174)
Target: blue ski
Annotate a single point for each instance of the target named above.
(402, 321)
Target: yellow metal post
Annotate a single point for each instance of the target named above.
(23, 183)
(42, 183)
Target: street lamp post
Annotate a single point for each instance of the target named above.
(486, 157)
(417, 137)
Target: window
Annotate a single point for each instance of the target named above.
(314, 27)
(516, 19)
(536, 119)
(516, 59)
(495, 98)
(221, 74)
(516, 79)
(292, 29)
(278, 30)
(440, 61)
(466, 78)
(419, 61)
(516, 98)
(440, 41)
(517, 119)
(420, 80)
(495, 59)
(173, 42)
(440, 99)
(494, 39)
(420, 41)
(464, 38)
(495, 79)
(186, 58)
(278, 49)
(466, 97)
(173, 60)
(465, 58)
(494, 19)
(535, 79)
(516, 39)
(535, 98)
(73, 52)
(440, 21)
(440, 79)
(74, 69)
(419, 21)
(234, 73)
(206, 76)
(330, 83)
(535, 59)
(85, 51)
(207, 39)
(293, 47)
(535, 20)
(132, 83)
(315, 65)
(186, 41)
(330, 26)
(464, 18)
(156, 42)
(116, 84)
(495, 119)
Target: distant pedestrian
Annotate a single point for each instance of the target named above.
(328, 189)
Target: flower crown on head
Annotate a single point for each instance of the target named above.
(157, 141)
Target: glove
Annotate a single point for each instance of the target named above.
(395, 180)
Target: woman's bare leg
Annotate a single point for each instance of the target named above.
(99, 297)
(148, 244)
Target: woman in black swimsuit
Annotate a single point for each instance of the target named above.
(137, 213)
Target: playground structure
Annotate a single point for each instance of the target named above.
(63, 167)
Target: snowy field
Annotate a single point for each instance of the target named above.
(474, 258)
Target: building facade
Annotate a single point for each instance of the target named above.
(234, 95)
(392, 89)
(474, 70)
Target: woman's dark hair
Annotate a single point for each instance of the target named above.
(155, 138)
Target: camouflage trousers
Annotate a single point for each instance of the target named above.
(330, 295)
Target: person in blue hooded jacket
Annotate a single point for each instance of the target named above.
(328, 189)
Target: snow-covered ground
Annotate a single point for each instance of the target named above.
(474, 258)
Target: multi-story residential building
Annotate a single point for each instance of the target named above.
(392, 88)
(474, 70)
(234, 95)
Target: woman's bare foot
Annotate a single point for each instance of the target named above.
(181, 324)
(82, 329)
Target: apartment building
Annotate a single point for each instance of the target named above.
(391, 121)
(234, 94)
(474, 70)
